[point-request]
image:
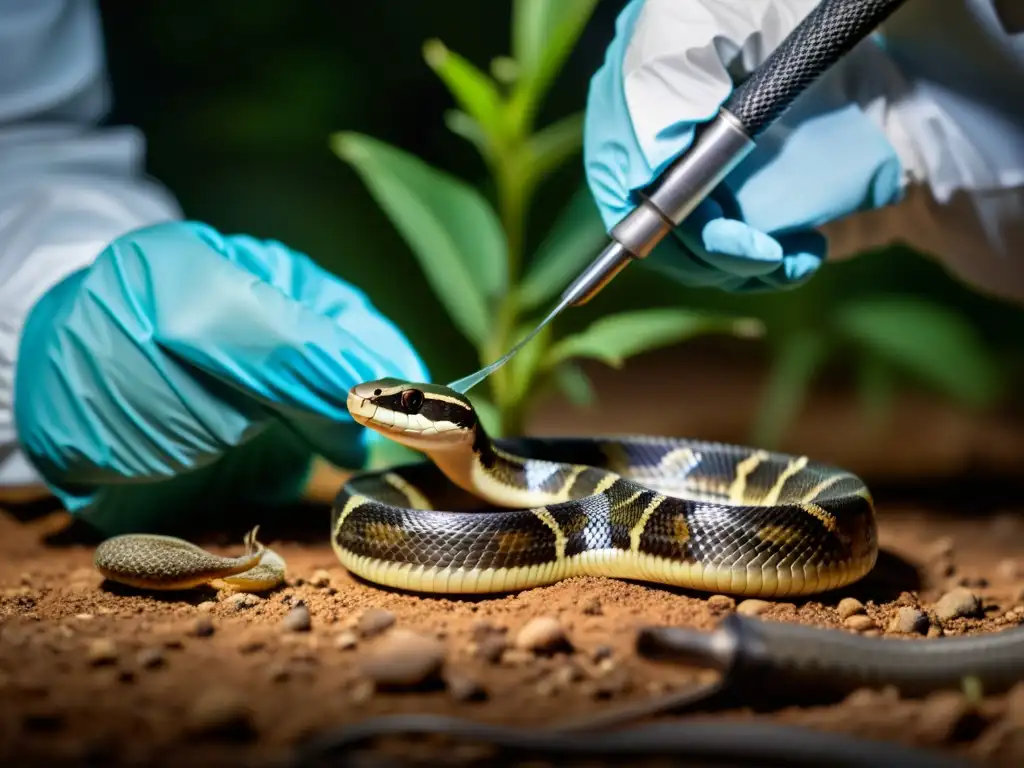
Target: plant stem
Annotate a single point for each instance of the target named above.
(512, 193)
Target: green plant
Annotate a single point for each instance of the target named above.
(472, 249)
(885, 341)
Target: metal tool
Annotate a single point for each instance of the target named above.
(824, 36)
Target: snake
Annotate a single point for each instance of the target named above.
(483, 515)
(486, 515)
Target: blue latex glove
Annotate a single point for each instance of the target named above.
(184, 370)
(824, 160)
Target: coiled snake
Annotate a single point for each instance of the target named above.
(693, 514)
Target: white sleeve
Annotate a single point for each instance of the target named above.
(67, 186)
(941, 80)
(951, 107)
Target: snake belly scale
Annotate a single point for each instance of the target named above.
(686, 513)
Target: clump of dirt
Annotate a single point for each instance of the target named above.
(92, 672)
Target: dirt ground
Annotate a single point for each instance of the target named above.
(88, 670)
(93, 674)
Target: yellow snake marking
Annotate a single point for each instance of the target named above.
(827, 518)
(563, 492)
(813, 493)
(444, 399)
(779, 534)
(638, 529)
(606, 483)
(738, 488)
(791, 469)
(676, 458)
(353, 502)
(514, 541)
(385, 534)
(680, 529)
(560, 539)
(412, 494)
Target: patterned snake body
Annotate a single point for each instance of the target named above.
(692, 514)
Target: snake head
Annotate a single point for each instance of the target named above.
(424, 417)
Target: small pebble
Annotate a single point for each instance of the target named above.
(591, 606)
(206, 606)
(83, 616)
(910, 621)
(1008, 570)
(935, 631)
(405, 659)
(859, 622)
(375, 621)
(278, 672)
(320, 578)
(602, 652)
(482, 629)
(941, 715)
(567, 674)
(220, 713)
(753, 607)
(616, 681)
(941, 547)
(361, 692)
(849, 606)
(543, 634)
(957, 603)
(721, 603)
(242, 600)
(462, 688)
(251, 646)
(202, 627)
(345, 640)
(150, 658)
(297, 619)
(491, 648)
(101, 652)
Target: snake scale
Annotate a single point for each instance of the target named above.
(485, 516)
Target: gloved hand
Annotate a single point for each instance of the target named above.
(184, 370)
(664, 75)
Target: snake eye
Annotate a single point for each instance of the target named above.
(412, 400)
(376, 392)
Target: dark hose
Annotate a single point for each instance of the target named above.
(750, 650)
(694, 742)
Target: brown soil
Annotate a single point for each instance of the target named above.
(90, 673)
(165, 689)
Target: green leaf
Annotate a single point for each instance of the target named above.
(876, 386)
(524, 366)
(574, 384)
(543, 34)
(504, 69)
(551, 146)
(450, 227)
(476, 93)
(931, 343)
(463, 125)
(614, 338)
(574, 240)
(798, 359)
(489, 415)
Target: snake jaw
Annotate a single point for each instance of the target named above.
(422, 417)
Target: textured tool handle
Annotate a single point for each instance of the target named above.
(824, 36)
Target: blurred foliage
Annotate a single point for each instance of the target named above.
(471, 247)
(237, 101)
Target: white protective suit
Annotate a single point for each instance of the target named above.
(956, 118)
